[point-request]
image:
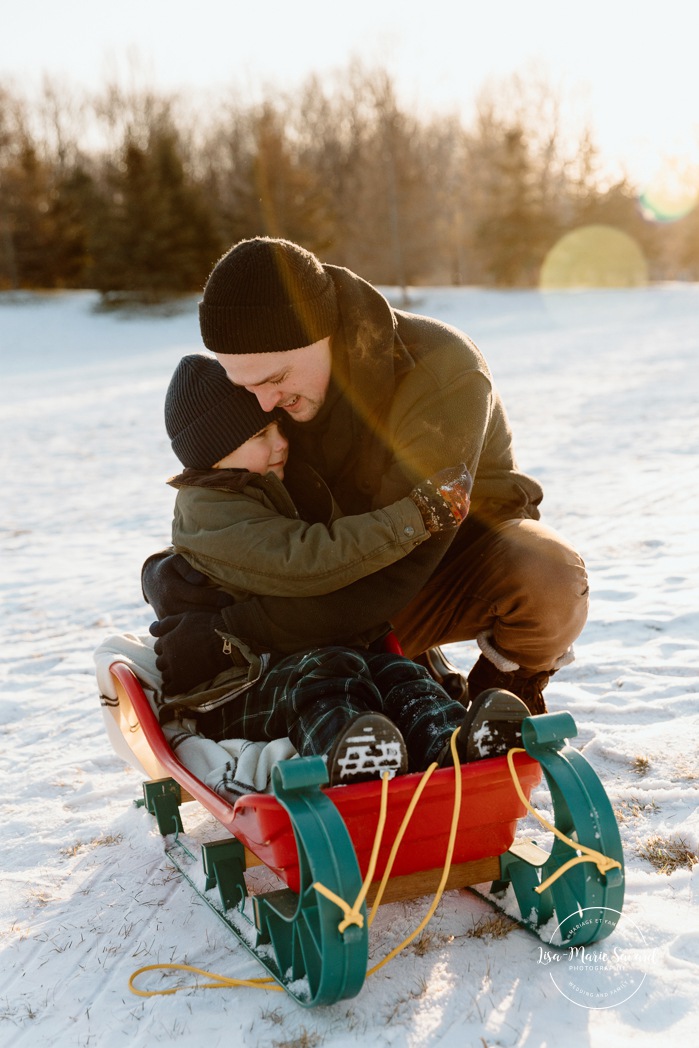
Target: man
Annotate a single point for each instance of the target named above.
(376, 399)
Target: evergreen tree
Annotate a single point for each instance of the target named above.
(70, 213)
(513, 229)
(157, 235)
(28, 226)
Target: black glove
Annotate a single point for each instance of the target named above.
(189, 650)
(444, 499)
(171, 586)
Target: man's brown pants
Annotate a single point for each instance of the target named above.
(519, 582)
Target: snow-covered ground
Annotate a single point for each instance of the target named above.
(602, 389)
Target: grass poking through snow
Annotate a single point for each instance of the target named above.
(668, 854)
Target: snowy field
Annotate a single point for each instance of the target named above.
(603, 392)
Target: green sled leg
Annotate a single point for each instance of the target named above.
(586, 903)
(318, 963)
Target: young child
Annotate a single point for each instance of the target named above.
(235, 520)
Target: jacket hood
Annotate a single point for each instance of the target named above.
(369, 356)
(216, 479)
(308, 493)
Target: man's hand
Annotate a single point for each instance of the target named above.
(444, 499)
(171, 586)
(189, 650)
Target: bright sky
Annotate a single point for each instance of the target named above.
(632, 66)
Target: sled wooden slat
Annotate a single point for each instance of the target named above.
(415, 885)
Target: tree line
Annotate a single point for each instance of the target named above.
(137, 193)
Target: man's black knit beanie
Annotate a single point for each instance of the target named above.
(206, 416)
(264, 296)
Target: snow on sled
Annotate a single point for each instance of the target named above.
(436, 831)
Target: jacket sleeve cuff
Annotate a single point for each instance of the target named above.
(407, 521)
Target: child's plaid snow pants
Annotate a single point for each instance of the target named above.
(311, 697)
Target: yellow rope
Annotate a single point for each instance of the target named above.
(398, 840)
(352, 913)
(602, 862)
(221, 981)
(447, 862)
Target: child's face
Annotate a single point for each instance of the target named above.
(266, 452)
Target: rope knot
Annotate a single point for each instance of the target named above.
(351, 913)
(603, 862)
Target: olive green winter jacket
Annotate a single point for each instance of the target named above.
(244, 532)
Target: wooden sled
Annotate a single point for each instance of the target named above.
(313, 837)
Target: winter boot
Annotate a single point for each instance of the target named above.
(526, 686)
(368, 746)
(491, 727)
(445, 673)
